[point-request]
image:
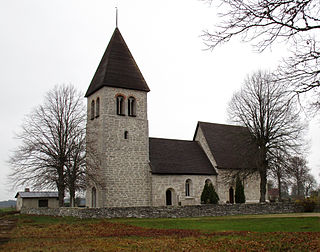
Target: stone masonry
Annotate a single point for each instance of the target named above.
(125, 170)
(168, 212)
(176, 183)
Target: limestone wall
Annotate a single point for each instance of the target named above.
(124, 171)
(160, 183)
(169, 212)
(251, 186)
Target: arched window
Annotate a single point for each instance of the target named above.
(188, 187)
(92, 110)
(94, 197)
(126, 135)
(131, 106)
(120, 105)
(98, 107)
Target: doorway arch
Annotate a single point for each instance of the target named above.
(169, 197)
(231, 195)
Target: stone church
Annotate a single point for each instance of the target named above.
(128, 168)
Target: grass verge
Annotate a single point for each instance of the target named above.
(43, 233)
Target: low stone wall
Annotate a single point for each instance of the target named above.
(168, 212)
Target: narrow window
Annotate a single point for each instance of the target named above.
(126, 135)
(120, 105)
(98, 107)
(43, 203)
(188, 187)
(94, 197)
(92, 110)
(131, 106)
(168, 197)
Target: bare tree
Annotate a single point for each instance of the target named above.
(279, 171)
(310, 184)
(268, 21)
(303, 182)
(272, 119)
(76, 164)
(48, 137)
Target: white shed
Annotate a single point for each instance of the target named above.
(29, 199)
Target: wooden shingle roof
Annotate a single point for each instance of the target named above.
(117, 68)
(230, 145)
(168, 156)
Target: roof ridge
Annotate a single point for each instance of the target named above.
(222, 124)
(171, 139)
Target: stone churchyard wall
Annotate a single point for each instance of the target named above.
(168, 212)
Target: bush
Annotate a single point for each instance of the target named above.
(209, 195)
(239, 194)
(307, 204)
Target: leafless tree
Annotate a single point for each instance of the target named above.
(272, 119)
(266, 22)
(310, 184)
(299, 171)
(50, 137)
(279, 171)
(76, 164)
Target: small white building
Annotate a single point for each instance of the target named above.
(29, 199)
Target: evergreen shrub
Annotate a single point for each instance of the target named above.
(239, 194)
(209, 195)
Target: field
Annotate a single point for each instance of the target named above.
(236, 233)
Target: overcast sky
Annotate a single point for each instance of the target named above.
(44, 43)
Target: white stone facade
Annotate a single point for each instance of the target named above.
(125, 170)
(176, 183)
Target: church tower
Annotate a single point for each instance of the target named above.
(118, 171)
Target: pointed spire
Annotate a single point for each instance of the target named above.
(117, 68)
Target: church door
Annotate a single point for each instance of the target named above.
(168, 197)
(231, 195)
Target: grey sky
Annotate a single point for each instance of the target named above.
(44, 43)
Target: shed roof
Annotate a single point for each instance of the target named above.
(168, 156)
(117, 68)
(37, 195)
(231, 145)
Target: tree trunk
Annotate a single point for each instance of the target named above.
(72, 196)
(279, 187)
(263, 184)
(61, 187)
(61, 195)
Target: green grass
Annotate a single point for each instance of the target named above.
(240, 223)
(7, 209)
(47, 233)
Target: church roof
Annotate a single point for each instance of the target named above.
(168, 156)
(117, 68)
(230, 145)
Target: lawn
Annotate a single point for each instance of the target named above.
(231, 223)
(237, 233)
